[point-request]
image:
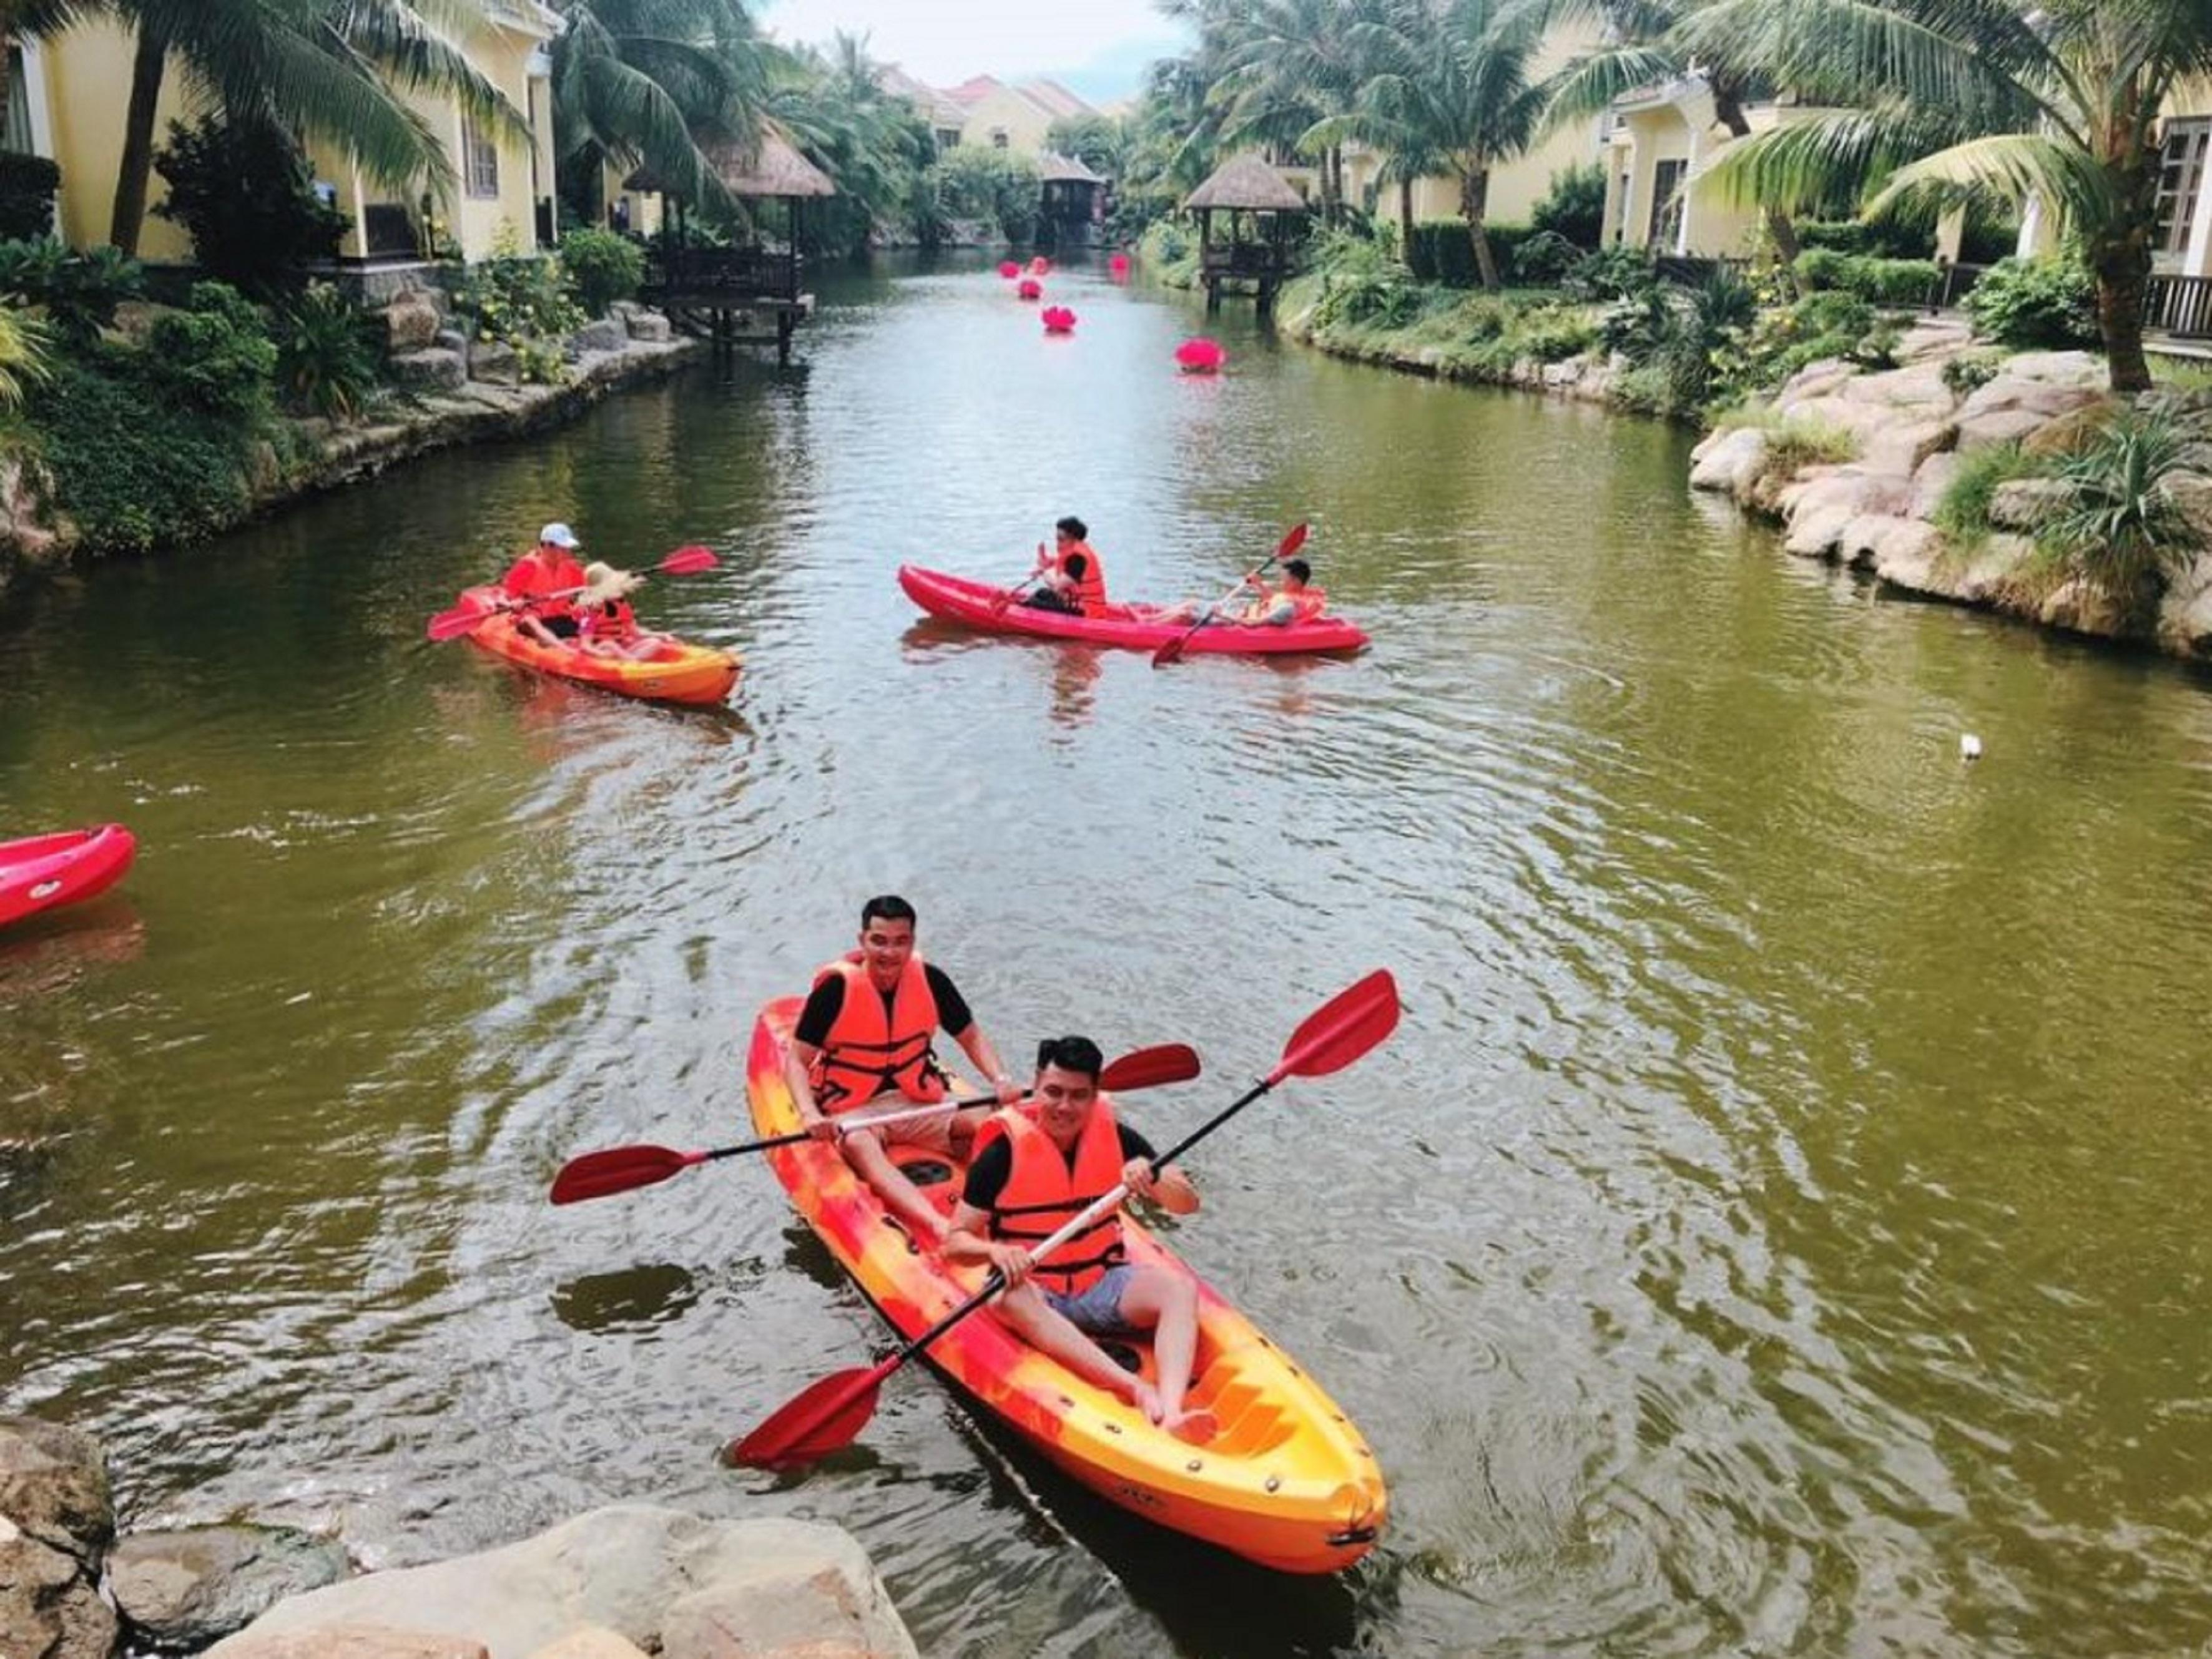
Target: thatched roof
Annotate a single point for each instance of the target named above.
(1066, 170)
(771, 165)
(1246, 181)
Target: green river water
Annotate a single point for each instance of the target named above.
(1777, 1226)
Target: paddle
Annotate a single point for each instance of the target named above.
(829, 1414)
(1172, 652)
(999, 605)
(462, 619)
(622, 1169)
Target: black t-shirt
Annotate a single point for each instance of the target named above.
(994, 1166)
(827, 1000)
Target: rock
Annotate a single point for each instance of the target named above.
(591, 1642)
(1823, 378)
(2014, 390)
(1996, 563)
(1998, 426)
(2082, 607)
(1905, 554)
(2068, 368)
(412, 322)
(2192, 493)
(2185, 613)
(604, 335)
(53, 1486)
(648, 325)
(452, 340)
(430, 370)
(1929, 480)
(1933, 337)
(50, 1605)
(188, 1588)
(625, 1568)
(1815, 533)
(135, 319)
(1729, 460)
(2023, 504)
(1901, 449)
(495, 360)
(1856, 544)
(355, 1642)
(1919, 386)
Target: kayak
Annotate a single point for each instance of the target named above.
(1286, 1482)
(1134, 627)
(675, 673)
(45, 872)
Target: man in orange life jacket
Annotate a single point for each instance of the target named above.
(1074, 580)
(866, 1031)
(547, 576)
(1042, 1163)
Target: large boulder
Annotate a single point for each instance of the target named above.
(2026, 504)
(354, 1642)
(187, 1588)
(2184, 614)
(57, 1520)
(1905, 554)
(627, 1568)
(648, 325)
(1729, 460)
(1930, 479)
(604, 335)
(432, 370)
(411, 321)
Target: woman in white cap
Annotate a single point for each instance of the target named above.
(545, 580)
(608, 627)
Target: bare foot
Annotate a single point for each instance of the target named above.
(1144, 1398)
(1196, 1426)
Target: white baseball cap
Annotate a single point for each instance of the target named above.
(559, 535)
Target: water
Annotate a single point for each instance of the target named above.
(1775, 1228)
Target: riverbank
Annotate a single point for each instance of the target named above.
(447, 410)
(1940, 469)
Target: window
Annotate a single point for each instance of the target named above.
(17, 137)
(479, 161)
(998, 138)
(2181, 182)
(1666, 223)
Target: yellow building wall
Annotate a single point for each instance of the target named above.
(87, 73)
(1024, 124)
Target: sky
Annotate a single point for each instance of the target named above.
(1097, 48)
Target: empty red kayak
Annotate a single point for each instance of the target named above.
(1132, 627)
(45, 872)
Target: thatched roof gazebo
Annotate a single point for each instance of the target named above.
(1259, 212)
(719, 283)
(1074, 201)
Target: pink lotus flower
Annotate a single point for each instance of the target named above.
(1199, 355)
(1058, 320)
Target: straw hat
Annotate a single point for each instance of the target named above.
(604, 584)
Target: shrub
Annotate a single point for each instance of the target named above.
(214, 359)
(1441, 251)
(1552, 334)
(973, 182)
(244, 193)
(1361, 283)
(1963, 510)
(2122, 528)
(1544, 258)
(79, 292)
(1970, 371)
(1611, 273)
(522, 301)
(1880, 281)
(604, 267)
(328, 354)
(1574, 208)
(23, 349)
(27, 184)
(2031, 303)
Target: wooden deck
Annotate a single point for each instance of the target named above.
(732, 296)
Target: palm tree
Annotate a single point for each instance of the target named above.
(339, 70)
(875, 145)
(2061, 104)
(645, 80)
(1290, 67)
(1452, 93)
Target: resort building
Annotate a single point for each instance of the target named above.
(1016, 118)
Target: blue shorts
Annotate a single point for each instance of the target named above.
(1095, 1310)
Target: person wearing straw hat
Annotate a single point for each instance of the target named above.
(607, 626)
(542, 583)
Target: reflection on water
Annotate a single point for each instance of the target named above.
(1768, 1230)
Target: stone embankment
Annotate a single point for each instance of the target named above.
(619, 1583)
(450, 389)
(1911, 434)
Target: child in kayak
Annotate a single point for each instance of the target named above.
(606, 626)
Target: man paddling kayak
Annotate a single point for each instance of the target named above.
(866, 1031)
(1074, 580)
(548, 569)
(1297, 601)
(1043, 1163)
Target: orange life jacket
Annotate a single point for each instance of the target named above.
(1043, 1195)
(1089, 589)
(1308, 603)
(528, 577)
(613, 620)
(866, 1054)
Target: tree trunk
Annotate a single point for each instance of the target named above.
(1474, 201)
(1405, 222)
(134, 171)
(2120, 258)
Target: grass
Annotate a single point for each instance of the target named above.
(1963, 514)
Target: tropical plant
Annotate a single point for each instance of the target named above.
(213, 358)
(1968, 101)
(2121, 528)
(23, 345)
(244, 191)
(1573, 208)
(522, 302)
(327, 354)
(2030, 303)
(78, 292)
(1095, 140)
(876, 145)
(27, 184)
(973, 183)
(347, 72)
(603, 266)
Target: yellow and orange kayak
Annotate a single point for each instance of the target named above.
(1287, 1482)
(675, 673)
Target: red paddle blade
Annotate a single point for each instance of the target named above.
(1146, 1069)
(619, 1169)
(688, 561)
(1345, 1027)
(1291, 542)
(452, 624)
(1170, 652)
(827, 1417)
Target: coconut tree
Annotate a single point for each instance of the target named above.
(1290, 68)
(2060, 104)
(876, 145)
(1450, 91)
(338, 70)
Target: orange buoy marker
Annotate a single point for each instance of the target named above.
(1058, 320)
(1199, 355)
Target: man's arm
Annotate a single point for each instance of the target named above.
(970, 1241)
(1170, 1189)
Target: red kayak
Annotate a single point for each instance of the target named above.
(1132, 627)
(48, 871)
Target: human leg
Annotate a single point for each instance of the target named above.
(1165, 1303)
(864, 1151)
(1030, 1314)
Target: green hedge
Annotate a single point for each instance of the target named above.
(1877, 281)
(27, 184)
(1442, 253)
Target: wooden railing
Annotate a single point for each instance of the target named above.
(1244, 259)
(736, 274)
(2180, 306)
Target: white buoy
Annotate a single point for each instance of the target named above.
(1970, 747)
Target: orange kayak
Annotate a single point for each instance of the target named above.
(1287, 1482)
(675, 673)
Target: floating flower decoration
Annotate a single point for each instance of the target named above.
(1008, 269)
(1199, 355)
(1118, 266)
(1058, 320)
(1028, 288)
(1040, 265)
